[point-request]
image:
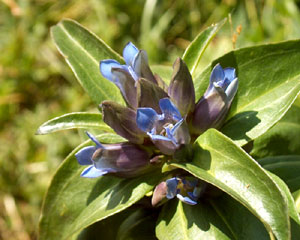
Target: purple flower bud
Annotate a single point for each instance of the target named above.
(159, 193)
(168, 130)
(123, 121)
(211, 110)
(121, 159)
(181, 89)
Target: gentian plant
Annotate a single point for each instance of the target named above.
(172, 151)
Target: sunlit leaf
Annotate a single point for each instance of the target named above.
(73, 203)
(219, 161)
(83, 52)
(74, 120)
(269, 81)
(179, 221)
(195, 50)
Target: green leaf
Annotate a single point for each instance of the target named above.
(269, 81)
(74, 120)
(218, 161)
(73, 203)
(281, 139)
(285, 167)
(83, 51)
(179, 221)
(195, 50)
(289, 198)
(241, 222)
(139, 223)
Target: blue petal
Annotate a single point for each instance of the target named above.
(146, 118)
(158, 137)
(92, 172)
(217, 74)
(186, 200)
(94, 139)
(106, 66)
(169, 109)
(229, 73)
(231, 90)
(84, 155)
(129, 53)
(171, 187)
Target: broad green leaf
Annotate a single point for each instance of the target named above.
(100, 228)
(281, 139)
(83, 51)
(218, 161)
(74, 120)
(289, 198)
(195, 50)
(139, 223)
(269, 81)
(285, 167)
(179, 221)
(73, 203)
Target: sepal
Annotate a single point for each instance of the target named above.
(181, 89)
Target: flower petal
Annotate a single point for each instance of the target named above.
(94, 139)
(146, 118)
(169, 109)
(186, 200)
(155, 137)
(84, 155)
(126, 84)
(92, 172)
(123, 120)
(172, 187)
(231, 90)
(141, 67)
(181, 89)
(105, 69)
(230, 73)
(217, 74)
(149, 94)
(180, 133)
(129, 53)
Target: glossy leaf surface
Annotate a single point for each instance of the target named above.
(73, 203)
(269, 81)
(83, 51)
(74, 120)
(219, 161)
(195, 50)
(285, 167)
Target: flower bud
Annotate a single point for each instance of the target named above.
(123, 121)
(120, 159)
(181, 89)
(211, 110)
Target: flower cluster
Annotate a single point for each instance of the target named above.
(158, 120)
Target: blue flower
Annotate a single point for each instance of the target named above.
(186, 189)
(120, 159)
(126, 76)
(211, 110)
(167, 130)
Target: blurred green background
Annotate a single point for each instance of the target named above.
(36, 84)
